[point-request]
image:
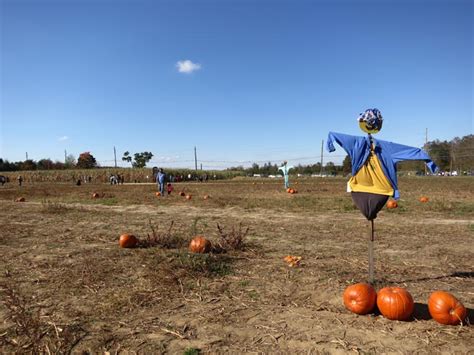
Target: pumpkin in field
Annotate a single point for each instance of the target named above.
(182, 193)
(20, 199)
(392, 204)
(445, 308)
(395, 303)
(188, 197)
(206, 197)
(128, 241)
(158, 194)
(424, 199)
(360, 298)
(199, 244)
(289, 190)
(95, 195)
(292, 260)
(294, 191)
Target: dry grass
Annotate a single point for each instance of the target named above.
(63, 272)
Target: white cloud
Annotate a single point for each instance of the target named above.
(187, 67)
(63, 138)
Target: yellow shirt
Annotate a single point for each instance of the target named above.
(370, 178)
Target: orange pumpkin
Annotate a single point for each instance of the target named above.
(95, 195)
(445, 308)
(158, 194)
(128, 241)
(199, 244)
(392, 204)
(206, 197)
(289, 190)
(424, 199)
(395, 303)
(360, 298)
(293, 191)
(20, 199)
(188, 197)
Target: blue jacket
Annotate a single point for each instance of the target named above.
(388, 153)
(161, 177)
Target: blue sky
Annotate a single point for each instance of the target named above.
(259, 80)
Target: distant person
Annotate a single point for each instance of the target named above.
(90, 179)
(160, 178)
(78, 182)
(20, 180)
(169, 188)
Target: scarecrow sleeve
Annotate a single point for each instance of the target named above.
(399, 152)
(356, 147)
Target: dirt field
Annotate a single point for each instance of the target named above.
(66, 286)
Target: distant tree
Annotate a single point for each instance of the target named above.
(346, 165)
(86, 161)
(330, 168)
(5, 165)
(45, 164)
(70, 161)
(126, 157)
(27, 165)
(440, 152)
(140, 159)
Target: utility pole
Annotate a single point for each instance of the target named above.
(322, 145)
(201, 166)
(26, 155)
(115, 157)
(195, 159)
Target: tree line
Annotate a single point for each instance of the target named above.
(454, 155)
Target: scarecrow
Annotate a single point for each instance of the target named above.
(374, 168)
(285, 170)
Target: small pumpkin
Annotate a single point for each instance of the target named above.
(199, 244)
(206, 197)
(289, 190)
(292, 260)
(392, 204)
(20, 199)
(395, 303)
(128, 241)
(360, 298)
(294, 191)
(424, 199)
(445, 308)
(95, 195)
(158, 194)
(188, 197)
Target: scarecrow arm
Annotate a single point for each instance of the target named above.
(401, 152)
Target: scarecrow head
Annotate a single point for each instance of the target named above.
(370, 121)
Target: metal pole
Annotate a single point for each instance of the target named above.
(195, 159)
(371, 252)
(115, 156)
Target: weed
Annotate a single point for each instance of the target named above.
(166, 239)
(233, 240)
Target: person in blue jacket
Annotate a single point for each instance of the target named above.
(160, 180)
